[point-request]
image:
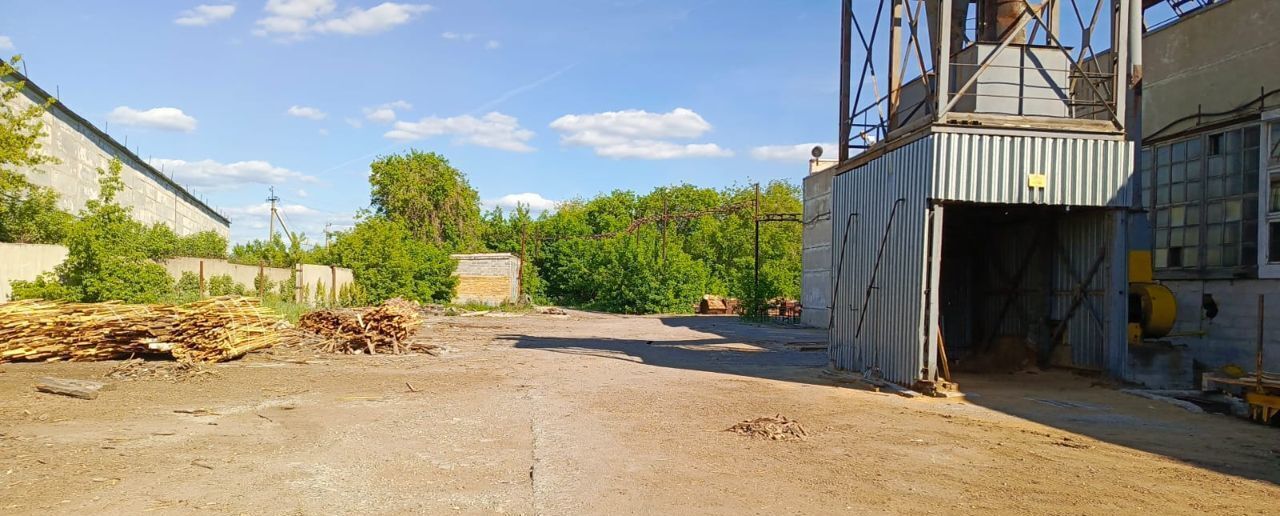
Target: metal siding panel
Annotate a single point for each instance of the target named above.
(1083, 236)
(892, 337)
(993, 169)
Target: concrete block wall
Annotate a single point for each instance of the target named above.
(1230, 337)
(323, 276)
(82, 149)
(242, 274)
(26, 262)
(816, 274)
(489, 278)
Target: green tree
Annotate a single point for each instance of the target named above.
(28, 213)
(274, 253)
(109, 254)
(432, 199)
(388, 261)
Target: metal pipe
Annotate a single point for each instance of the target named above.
(846, 20)
(1135, 41)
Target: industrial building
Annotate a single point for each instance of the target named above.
(1013, 214)
(82, 148)
(1210, 165)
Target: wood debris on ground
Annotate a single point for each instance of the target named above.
(382, 329)
(139, 369)
(777, 428)
(210, 330)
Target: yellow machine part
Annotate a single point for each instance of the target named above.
(1158, 308)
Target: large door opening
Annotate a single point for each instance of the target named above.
(1024, 286)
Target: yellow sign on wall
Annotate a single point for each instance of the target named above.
(1037, 181)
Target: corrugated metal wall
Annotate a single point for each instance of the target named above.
(960, 167)
(892, 333)
(994, 169)
(1085, 237)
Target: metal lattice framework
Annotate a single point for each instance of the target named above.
(910, 72)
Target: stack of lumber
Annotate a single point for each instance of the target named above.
(385, 328)
(210, 330)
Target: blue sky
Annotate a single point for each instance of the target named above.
(552, 100)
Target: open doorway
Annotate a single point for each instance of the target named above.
(1024, 286)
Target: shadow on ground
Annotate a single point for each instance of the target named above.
(730, 346)
(1057, 399)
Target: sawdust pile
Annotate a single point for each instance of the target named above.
(210, 330)
(385, 328)
(777, 428)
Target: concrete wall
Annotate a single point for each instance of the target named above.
(1215, 60)
(25, 262)
(82, 149)
(489, 278)
(309, 276)
(324, 277)
(815, 279)
(242, 274)
(1232, 336)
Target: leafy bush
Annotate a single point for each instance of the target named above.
(187, 288)
(388, 261)
(45, 286)
(108, 254)
(223, 284)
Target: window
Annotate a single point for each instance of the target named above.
(1202, 193)
(1273, 156)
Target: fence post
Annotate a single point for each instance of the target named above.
(333, 285)
(201, 279)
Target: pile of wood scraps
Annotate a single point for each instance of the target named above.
(211, 330)
(384, 329)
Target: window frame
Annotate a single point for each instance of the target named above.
(1217, 198)
(1269, 173)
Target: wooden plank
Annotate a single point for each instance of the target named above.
(83, 389)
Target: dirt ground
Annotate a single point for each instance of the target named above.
(602, 414)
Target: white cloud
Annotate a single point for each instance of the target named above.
(6, 43)
(307, 112)
(205, 15)
(353, 122)
(163, 118)
(212, 175)
(323, 132)
(381, 115)
(639, 134)
(492, 44)
(457, 36)
(385, 113)
(797, 152)
(494, 130)
(295, 19)
(301, 193)
(535, 202)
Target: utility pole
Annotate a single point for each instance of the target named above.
(271, 231)
(327, 225)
